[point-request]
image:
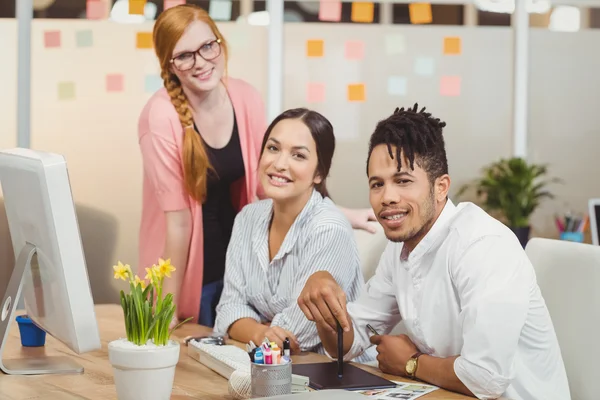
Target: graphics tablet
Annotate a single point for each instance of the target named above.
(325, 376)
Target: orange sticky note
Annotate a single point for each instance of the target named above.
(314, 48)
(356, 92)
(362, 12)
(450, 86)
(315, 92)
(355, 50)
(420, 13)
(136, 7)
(330, 10)
(52, 39)
(114, 83)
(143, 40)
(452, 45)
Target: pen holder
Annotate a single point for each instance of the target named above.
(572, 236)
(31, 335)
(271, 379)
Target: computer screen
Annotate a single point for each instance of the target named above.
(594, 211)
(50, 271)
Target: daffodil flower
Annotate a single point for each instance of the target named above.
(121, 271)
(165, 267)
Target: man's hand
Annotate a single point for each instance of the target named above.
(278, 335)
(394, 353)
(322, 300)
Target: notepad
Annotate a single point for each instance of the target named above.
(324, 376)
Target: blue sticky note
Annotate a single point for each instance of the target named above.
(153, 83)
(84, 38)
(396, 85)
(220, 10)
(424, 66)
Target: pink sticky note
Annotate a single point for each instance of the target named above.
(173, 3)
(97, 9)
(355, 50)
(330, 10)
(52, 39)
(315, 92)
(450, 86)
(114, 83)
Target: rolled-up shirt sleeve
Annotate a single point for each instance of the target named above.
(330, 248)
(376, 306)
(233, 304)
(493, 283)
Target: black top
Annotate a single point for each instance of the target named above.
(218, 212)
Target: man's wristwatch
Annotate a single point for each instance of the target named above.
(412, 364)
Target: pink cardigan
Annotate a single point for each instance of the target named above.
(160, 140)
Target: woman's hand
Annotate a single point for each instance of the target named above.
(361, 218)
(278, 335)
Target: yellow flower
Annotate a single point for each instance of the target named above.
(150, 273)
(165, 268)
(121, 271)
(140, 281)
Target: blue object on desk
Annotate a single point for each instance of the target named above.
(572, 236)
(31, 334)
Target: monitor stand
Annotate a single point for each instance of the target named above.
(27, 365)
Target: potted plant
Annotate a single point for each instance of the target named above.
(512, 189)
(144, 362)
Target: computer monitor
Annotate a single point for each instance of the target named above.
(50, 271)
(594, 211)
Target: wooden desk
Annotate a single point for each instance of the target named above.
(192, 379)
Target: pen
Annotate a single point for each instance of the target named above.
(340, 358)
(372, 329)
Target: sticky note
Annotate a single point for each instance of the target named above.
(97, 9)
(355, 50)
(66, 90)
(220, 10)
(450, 86)
(152, 83)
(396, 85)
(452, 45)
(172, 3)
(52, 39)
(424, 66)
(362, 12)
(84, 38)
(420, 13)
(136, 7)
(330, 10)
(143, 40)
(395, 44)
(356, 92)
(314, 48)
(315, 92)
(114, 83)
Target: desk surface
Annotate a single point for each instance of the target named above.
(192, 379)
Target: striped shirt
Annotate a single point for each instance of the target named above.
(321, 238)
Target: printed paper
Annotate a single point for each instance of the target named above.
(402, 391)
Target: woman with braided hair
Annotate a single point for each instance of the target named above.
(200, 138)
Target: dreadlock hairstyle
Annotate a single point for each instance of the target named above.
(417, 135)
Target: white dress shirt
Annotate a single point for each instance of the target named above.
(321, 238)
(468, 289)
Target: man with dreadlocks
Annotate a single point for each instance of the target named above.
(459, 279)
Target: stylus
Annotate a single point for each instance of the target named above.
(340, 358)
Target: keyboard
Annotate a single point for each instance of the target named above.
(221, 359)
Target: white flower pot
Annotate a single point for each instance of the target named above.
(143, 372)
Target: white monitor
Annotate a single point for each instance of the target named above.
(594, 211)
(50, 271)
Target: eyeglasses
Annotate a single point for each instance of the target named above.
(186, 61)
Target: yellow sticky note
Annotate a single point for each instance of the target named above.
(136, 7)
(356, 92)
(420, 13)
(144, 40)
(314, 48)
(362, 12)
(452, 45)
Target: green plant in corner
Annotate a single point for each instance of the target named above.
(147, 317)
(512, 187)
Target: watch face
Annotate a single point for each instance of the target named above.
(410, 366)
